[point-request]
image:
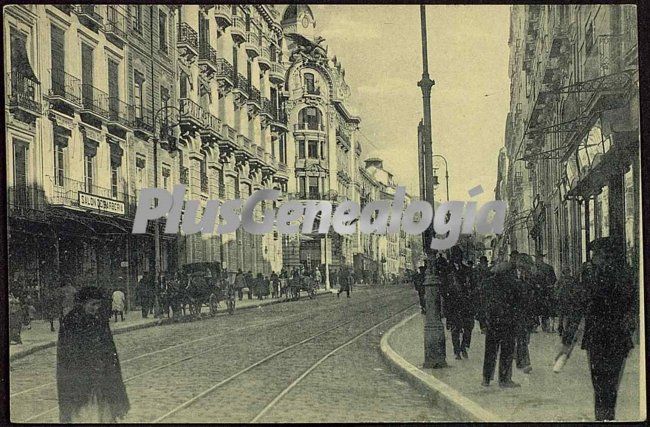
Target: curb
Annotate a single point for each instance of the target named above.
(44, 346)
(442, 394)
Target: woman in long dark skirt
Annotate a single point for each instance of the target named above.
(89, 378)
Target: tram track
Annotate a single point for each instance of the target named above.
(265, 324)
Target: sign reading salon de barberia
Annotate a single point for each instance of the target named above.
(104, 204)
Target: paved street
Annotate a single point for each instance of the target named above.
(309, 361)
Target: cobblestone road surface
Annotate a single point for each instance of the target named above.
(171, 366)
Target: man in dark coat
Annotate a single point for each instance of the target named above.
(145, 293)
(501, 295)
(524, 310)
(418, 282)
(89, 378)
(459, 301)
(347, 279)
(545, 278)
(607, 300)
(481, 273)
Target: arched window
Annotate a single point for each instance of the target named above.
(311, 118)
(309, 83)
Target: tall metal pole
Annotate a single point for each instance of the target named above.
(446, 172)
(434, 333)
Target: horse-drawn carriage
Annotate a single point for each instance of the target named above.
(301, 283)
(197, 285)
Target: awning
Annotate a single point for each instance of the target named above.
(19, 58)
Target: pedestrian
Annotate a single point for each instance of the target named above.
(88, 375)
(15, 319)
(459, 299)
(418, 282)
(275, 285)
(240, 284)
(525, 311)
(145, 293)
(607, 301)
(346, 283)
(564, 290)
(250, 283)
(51, 306)
(318, 278)
(481, 273)
(118, 304)
(67, 293)
(501, 295)
(545, 279)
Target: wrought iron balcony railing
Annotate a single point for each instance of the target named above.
(120, 112)
(279, 115)
(65, 86)
(143, 120)
(191, 111)
(24, 92)
(207, 53)
(242, 84)
(115, 22)
(187, 35)
(89, 12)
(21, 198)
(225, 70)
(254, 95)
(94, 100)
(309, 126)
(266, 107)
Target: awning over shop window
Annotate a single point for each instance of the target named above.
(19, 58)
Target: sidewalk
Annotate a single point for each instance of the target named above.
(543, 396)
(39, 337)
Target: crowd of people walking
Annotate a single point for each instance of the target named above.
(517, 297)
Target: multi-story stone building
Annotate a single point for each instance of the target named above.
(570, 172)
(104, 100)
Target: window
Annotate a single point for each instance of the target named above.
(183, 81)
(89, 170)
(310, 116)
(301, 149)
(309, 83)
(137, 18)
(166, 171)
(283, 148)
(312, 149)
(113, 87)
(162, 30)
(139, 171)
(313, 186)
(57, 53)
(20, 171)
(235, 57)
(59, 165)
(115, 175)
(138, 94)
(87, 73)
(301, 184)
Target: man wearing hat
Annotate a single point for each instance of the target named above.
(88, 374)
(607, 300)
(459, 302)
(545, 281)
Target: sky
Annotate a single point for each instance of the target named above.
(380, 49)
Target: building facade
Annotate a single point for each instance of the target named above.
(104, 100)
(570, 170)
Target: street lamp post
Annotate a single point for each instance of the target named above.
(446, 172)
(434, 333)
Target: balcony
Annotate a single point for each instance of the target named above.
(266, 111)
(66, 193)
(211, 132)
(257, 156)
(241, 88)
(65, 92)
(121, 115)
(94, 102)
(311, 163)
(208, 60)
(238, 29)
(89, 16)
(228, 141)
(279, 120)
(277, 73)
(187, 43)
(225, 75)
(264, 60)
(24, 97)
(192, 114)
(26, 202)
(254, 101)
(115, 28)
(252, 44)
(309, 127)
(281, 173)
(143, 122)
(343, 139)
(245, 150)
(223, 15)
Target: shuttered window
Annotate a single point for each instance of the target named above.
(87, 72)
(58, 60)
(162, 31)
(20, 171)
(113, 87)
